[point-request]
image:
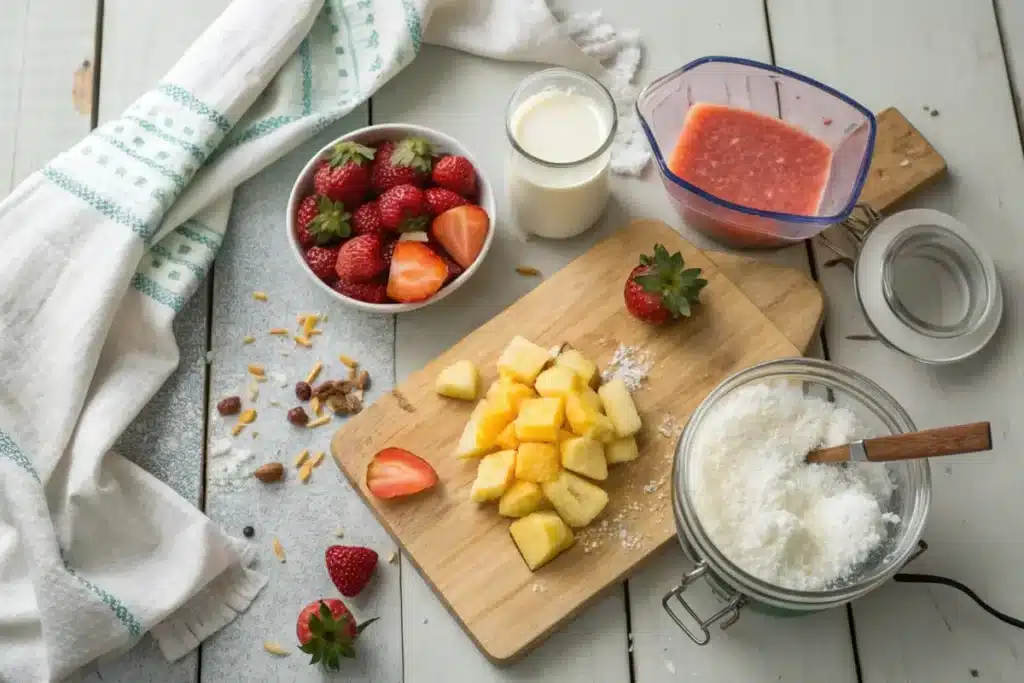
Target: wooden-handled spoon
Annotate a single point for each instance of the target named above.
(969, 438)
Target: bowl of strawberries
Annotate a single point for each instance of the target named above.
(391, 218)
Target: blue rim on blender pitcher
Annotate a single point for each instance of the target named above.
(792, 218)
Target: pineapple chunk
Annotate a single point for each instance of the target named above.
(557, 381)
(586, 420)
(539, 419)
(494, 417)
(522, 360)
(470, 443)
(493, 476)
(540, 537)
(621, 450)
(602, 430)
(460, 380)
(585, 456)
(619, 406)
(537, 462)
(575, 361)
(507, 391)
(520, 499)
(574, 498)
(564, 434)
(590, 397)
(507, 439)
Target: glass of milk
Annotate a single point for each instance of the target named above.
(560, 124)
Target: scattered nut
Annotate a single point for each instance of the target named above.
(237, 429)
(305, 472)
(271, 472)
(303, 341)
(314, 373)
(280, 331)
(527, 270)
(256, 369)
(248, 417)
(349, 362)
(339, 533)
(301, 457)
(275, 649)
(318, 422)
(392, 557)
(345, 404)
(303, 391)
(278, 550)
(248, 339)
(298, 416)
(403, 402)
(230, 405)
(315, 462)
(259, 296)
(314, 405)
(363, 380)
(332, 387)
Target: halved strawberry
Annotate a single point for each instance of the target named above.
(462, 232)
(416, 272)
(395, 472)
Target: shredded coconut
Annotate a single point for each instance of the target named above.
(629, 364)
(787, 522)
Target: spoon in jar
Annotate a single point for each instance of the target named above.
(969, 438)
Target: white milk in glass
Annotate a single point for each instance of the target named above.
(560, 124)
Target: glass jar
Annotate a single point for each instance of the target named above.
(879, 414)
(560, 125)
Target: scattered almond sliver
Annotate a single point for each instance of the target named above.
(339, 533)
(392, 557)
(259, 296)
(304, 472)
(254, 391)
(527, 270)
(315, 462)
(275, 649)
(248, 339)
(247, 416)
(256, 369)
(349, 362)
(313, 333)
(281, 331)
(320, 421)
(314, 373)
(237, 429)
(309, 323)
(314, 404)
(303, 341)
(278, 550)
(302, 457)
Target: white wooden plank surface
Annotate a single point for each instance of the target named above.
(945, 55)
(433, 641)
(44, 42)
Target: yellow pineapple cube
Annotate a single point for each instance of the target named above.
(540, 419)
(520, 499)
(585, 456)
(582, 414)
(621, 450)
(574, 498)
(575, 361)
(494, 417)
(564, 434)
(537, 462)
(493, 476)
(540, 537)
(602, 429)
(619, 406)
(507, 439)
(460, 380)
(471, 444)
(522, 360)
(509, 392)
(557, 381)
(590, 397)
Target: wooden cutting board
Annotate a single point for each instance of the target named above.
(463, 549)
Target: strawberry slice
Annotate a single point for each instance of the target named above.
(462, 232)
(395, 472)
(416, 272)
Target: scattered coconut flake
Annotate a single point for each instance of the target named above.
(670, 428)
(227, 469)
(393, 557)
(339, 532)
(220, 447)
(629, 364)
(670, 666)
(209, 357)
(280, 378)
(539, 588)
(275, 649)
(254, 391)
(278, 550)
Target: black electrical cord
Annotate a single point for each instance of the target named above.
(943, 581)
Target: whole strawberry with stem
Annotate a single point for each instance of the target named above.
(320, 221)
(321, 260)
(662, 288)
(344, 176)
(455, 173)
(361, 259)
(327, 631)
(403, 208)
(406, 162)
(350, 567)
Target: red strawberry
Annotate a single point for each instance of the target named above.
(403, 209)
(366, 219)
(360, 259)
(456, 174)
(662, 288)
(327, 631)
(370, 292)
(320, 221)
(404, 163)
(462, 232)
(395, 472)
(440, 200)
(350, 567)
(345, 175)
(321, 261)
(417, 272)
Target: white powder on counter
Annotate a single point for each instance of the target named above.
(787, 522)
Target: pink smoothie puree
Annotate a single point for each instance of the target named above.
(751, 159)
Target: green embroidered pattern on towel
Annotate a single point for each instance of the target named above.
(10, 451)
(120, 610)
(149, 127)
(172, 269)
(187, 99)
(105, 206)
(178, 179)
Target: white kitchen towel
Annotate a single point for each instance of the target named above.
(102, 247)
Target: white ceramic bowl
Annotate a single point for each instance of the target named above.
(371, 135)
